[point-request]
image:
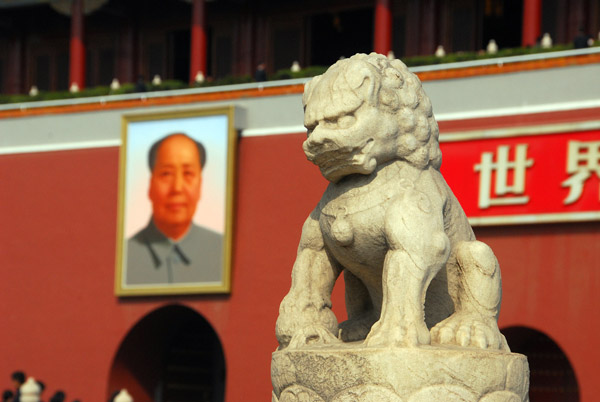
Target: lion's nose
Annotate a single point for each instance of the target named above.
(320, 138)
(316, 145)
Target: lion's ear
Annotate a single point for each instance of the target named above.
(308, 89)
(362, 80)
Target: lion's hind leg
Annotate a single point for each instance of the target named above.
(359, 307)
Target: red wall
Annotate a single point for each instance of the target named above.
(63, 324)
(551, 280)
(61, 321)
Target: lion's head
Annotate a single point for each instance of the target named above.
(366, 111)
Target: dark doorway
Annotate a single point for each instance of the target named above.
(223, 55)
(2, 76)
(502, 21)
(552, 378)
(341, 34)
(179, 54)
(172, 354)
(286, 46)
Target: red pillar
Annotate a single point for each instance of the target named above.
(77, 56)
(198, 40)
(532, 18)
(383, 27)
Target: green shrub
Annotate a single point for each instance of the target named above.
(166, 85)
(229, 80)
(310, 71)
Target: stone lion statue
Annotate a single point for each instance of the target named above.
(414, 273)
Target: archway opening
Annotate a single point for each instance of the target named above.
(172, 354)
(552, 378)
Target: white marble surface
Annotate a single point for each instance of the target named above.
(422, 294)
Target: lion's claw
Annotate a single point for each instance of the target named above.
(405, 334)
(469, 330)
(446, 335)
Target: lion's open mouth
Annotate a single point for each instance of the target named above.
(336, 162)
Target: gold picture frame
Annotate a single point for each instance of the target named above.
(154, 256)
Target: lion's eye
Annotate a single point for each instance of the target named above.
(330, 123)
(346, 121)
(342, 122)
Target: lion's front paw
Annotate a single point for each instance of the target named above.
(407, 334)
(469, 330)
(312, 335)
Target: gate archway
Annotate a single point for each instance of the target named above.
(552, 378)
(171, 354)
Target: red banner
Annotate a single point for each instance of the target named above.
(525, 178)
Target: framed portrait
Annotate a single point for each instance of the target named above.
(176, 203)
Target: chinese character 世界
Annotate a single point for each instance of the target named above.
(501, 167)
(583, 158)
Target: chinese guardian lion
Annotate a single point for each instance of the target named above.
(414, 273)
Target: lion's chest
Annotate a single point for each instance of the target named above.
(352, 225)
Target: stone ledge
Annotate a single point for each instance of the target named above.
(352, 373)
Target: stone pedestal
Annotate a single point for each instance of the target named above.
(352, 373)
